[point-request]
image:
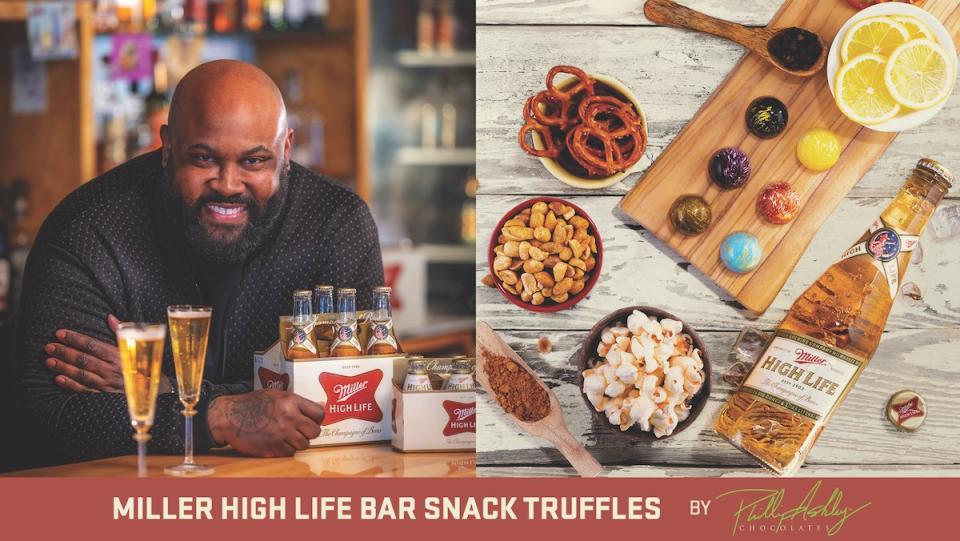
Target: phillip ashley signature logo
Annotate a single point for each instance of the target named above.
(767, 507)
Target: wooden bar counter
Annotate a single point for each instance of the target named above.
(376, 460)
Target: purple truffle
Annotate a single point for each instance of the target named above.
(730, 168)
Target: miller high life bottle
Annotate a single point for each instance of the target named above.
(301, 344)
(829, 334)
(346, 342)
(323, 304)
(461, 378)
(418, 377)
(382, 341)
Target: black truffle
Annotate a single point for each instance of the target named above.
(767, 117)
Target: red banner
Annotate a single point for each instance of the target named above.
(743, 508)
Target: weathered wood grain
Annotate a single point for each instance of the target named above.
(611, 12)
(638, 269)
(923, 360)
(672, 72)
(819, 471)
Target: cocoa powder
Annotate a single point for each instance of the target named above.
(517, 392)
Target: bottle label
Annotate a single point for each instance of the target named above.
(803, 375)
(882, 246)
(380, 333)
(346, 335)
(300, 339)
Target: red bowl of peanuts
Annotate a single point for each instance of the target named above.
(545, 254)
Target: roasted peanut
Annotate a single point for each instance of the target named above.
(536, 243)
(511, 248)
(578, 274)
(560, 298)
(576, 247)
(593, 244)
(501, 239)
(532, 265)
(568, 213)
(501, 262)
(551, 261)
(560, 233)
(550, 221)
(557, 207)
(510, 289)
(544, 278)
(547, 291)
(525, 211)
(529, 282)
(498, 249)
(537, 298)
(577, 263)
(550, 247)
(516, 265)
(488, 280)
(537, 219)
(508, 277)
(577, 287)
(542, 234)
(526, 296)
(571, 271)
(518, 232)
(514, 222)
(524, 250)
(565, 253)
(560, 270)
(579, 222)
(582, 236)
(538, 254)
(590, 262)
(563, 286)
(539, 207)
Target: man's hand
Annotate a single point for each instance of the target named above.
(85, 364)
(265, 423)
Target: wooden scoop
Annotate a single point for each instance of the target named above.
(552, 428)
(757, 40)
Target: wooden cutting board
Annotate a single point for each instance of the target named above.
(682, 167)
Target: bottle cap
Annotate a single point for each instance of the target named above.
(302, 293)
(937, 169)
(319, 287)
(382, 289)
(346, 290)
(906, 410)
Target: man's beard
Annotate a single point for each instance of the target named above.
(261, 221)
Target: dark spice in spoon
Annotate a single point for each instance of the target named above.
(517, 392)
(795, 48)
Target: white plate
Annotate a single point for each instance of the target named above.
(909, 120)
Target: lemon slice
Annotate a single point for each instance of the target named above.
(919, 74)
(876, 35)
(861, 92)
(916, 27)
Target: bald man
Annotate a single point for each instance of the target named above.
(218, 216)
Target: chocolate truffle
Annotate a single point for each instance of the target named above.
(741, 252)
(778, 203)
(767, 117)
(730, 168)
(690, 214)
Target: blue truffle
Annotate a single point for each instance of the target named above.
(741, 252)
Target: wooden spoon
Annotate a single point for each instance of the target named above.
(757, 40)
(552, 428)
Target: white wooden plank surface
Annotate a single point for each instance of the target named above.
(612, 12)
(673, 72)
(923, 360)
(639, 269)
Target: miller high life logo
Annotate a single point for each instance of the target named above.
(461, 417)
(806, 357)
(271, 380)
(909, 409)
(351, 397)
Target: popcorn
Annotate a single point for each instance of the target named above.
(647, 373)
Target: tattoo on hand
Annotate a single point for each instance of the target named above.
(250, 414)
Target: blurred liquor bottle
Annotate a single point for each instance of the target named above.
(224, 15)
(196, 12)
(306, 122)
(426, 27)
(274, 12)
(252, 15)
(446, 37)
(170, 14)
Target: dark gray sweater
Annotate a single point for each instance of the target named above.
(107, 248)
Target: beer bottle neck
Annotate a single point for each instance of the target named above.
(913, 206)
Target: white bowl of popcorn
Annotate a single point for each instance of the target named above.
(644, 373)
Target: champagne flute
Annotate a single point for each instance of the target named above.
(141, 355)
(189, 331)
